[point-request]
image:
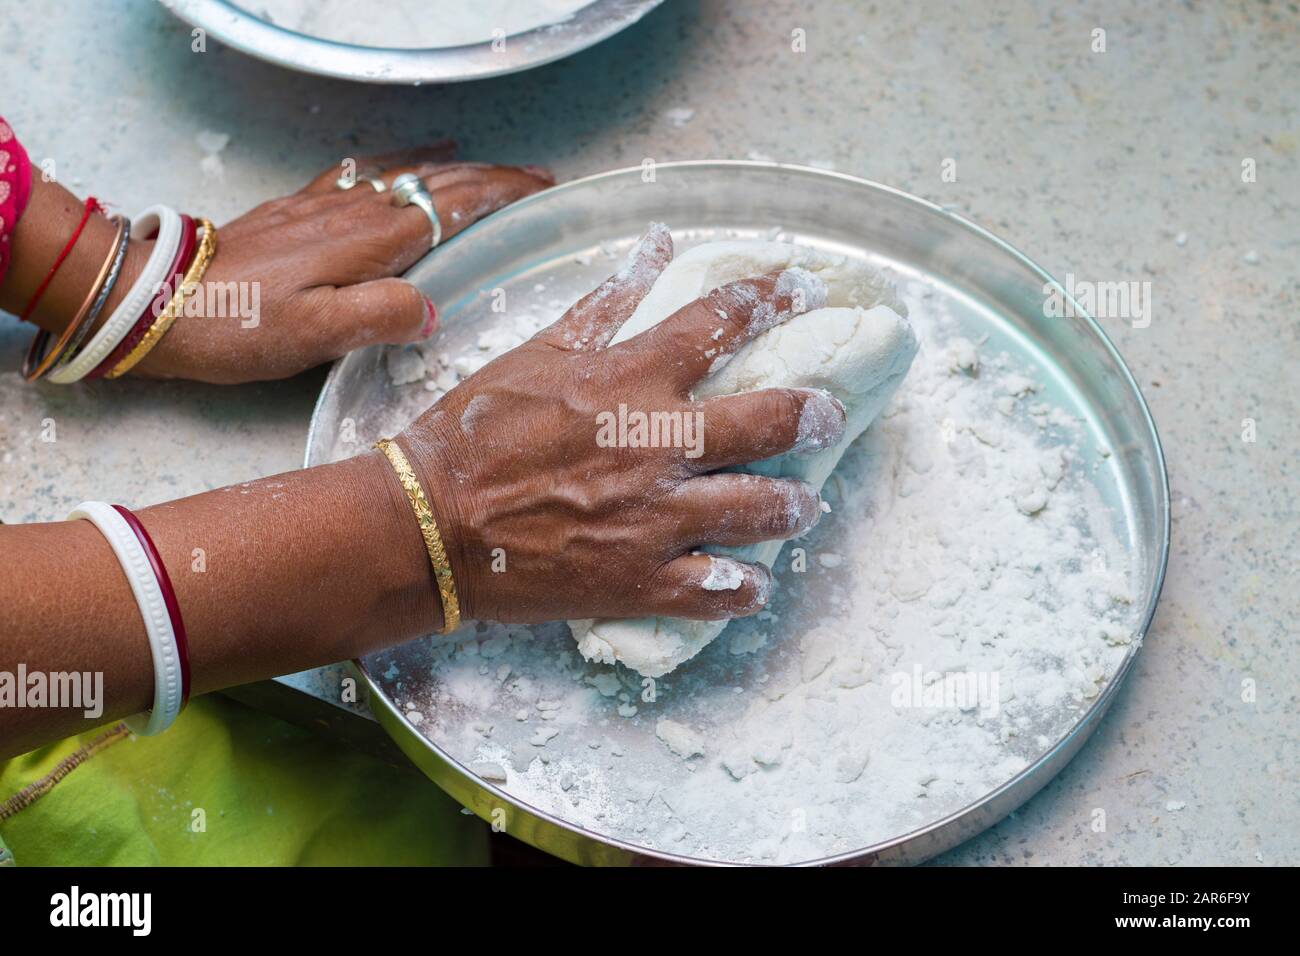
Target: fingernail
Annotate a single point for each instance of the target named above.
(541, 172)
(725, 574)
(806, 289)
(657, 237)
(806, 504)
(729, 575)
(821, 421)
(762, 578)
(430, 317)
(658, 234)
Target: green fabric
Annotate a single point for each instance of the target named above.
(272, 793)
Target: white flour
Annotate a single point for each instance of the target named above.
(412, 24)
(963, 603)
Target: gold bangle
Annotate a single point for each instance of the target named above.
(193, 276)
(428, 530)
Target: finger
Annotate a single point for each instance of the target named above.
(427, 169)
(440, 151)
(389, 310)
(701, 337)
(461, 203)
(707, 587)
(436, 175)
(597, 316)
(735, 509)
(751, 426)
(381, 239)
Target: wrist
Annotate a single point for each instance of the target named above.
(294, 571)
(412, 593)
(45, 230)
(430, 451)
(137, 254)
(51, 217)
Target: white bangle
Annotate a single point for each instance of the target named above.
(146, 285)
(167, 687)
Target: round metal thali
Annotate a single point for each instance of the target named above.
(552, 247)
(236, 27)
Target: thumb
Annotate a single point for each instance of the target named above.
(388, 310)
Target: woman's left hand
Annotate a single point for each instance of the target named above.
(302, 280)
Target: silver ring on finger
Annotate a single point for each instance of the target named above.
(409, 190)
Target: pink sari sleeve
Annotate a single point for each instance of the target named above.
(15, 188)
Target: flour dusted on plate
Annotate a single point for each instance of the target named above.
(408, 24)
(967, 601)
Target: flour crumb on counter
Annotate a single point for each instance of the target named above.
(212, 144)
(680, 739)
(679, 116)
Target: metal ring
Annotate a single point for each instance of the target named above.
(346, 182)
(409, 190)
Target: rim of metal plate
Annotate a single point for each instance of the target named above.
(250, 34)
(579, 845)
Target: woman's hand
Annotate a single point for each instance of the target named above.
(543, 519)
(302, 280)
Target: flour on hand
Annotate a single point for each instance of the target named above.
(858, 348)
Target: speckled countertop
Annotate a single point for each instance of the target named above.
(1122, 165)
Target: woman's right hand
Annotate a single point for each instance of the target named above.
(543, 520)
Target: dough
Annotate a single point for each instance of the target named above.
(858, 348)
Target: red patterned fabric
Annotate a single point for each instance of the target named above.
(15, 188)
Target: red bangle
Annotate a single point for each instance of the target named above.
(180, 264)
(169, 598)
(92, 205)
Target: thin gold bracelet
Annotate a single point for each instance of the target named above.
(193, 276)
(428, 530)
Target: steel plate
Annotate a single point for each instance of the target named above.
(238, 28)
(558, 244)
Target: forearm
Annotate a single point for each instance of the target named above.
(272, 576)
